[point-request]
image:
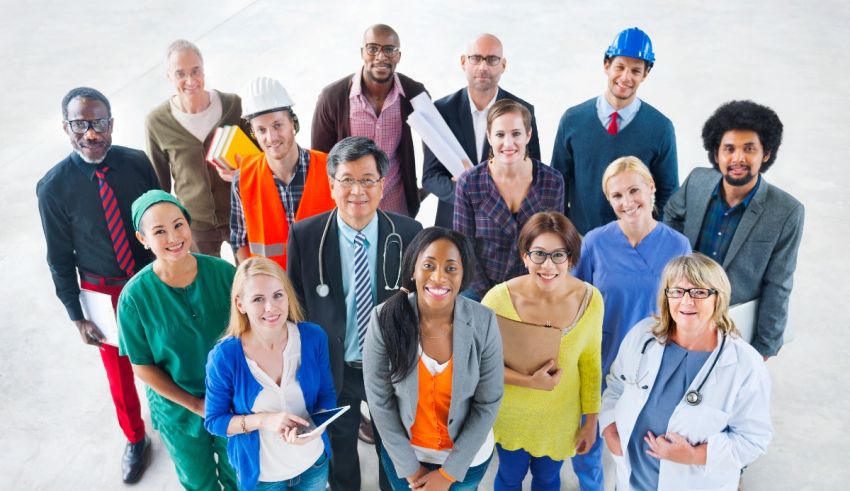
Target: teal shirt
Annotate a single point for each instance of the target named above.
(174, 329)
(346, 257)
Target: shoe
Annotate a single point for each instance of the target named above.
(365, 433)
(135, 459)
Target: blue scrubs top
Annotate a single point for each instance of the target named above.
(678, 369)
(627, 277)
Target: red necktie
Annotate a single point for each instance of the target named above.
(612, 128)
(115, 223)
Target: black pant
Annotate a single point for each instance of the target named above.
(345, 464)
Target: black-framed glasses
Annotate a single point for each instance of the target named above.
(372, 49)
(695, 293)
(348, 182)
(492, 60)
(80, 126)
(558, 257)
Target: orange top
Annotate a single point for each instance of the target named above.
(430, 428)
(265, 217)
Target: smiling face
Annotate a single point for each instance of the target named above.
(263, 300)
(165, 230)
(91, 146)
(438, 275)
(357, 205)
(379, 68)
(508, 137)
(689, 314)
(547, 276)
(186, 73)
(276, 135)
(740, 157)
(625, 75)
(630, 196)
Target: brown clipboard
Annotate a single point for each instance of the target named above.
(527, 347)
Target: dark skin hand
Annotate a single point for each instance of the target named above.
(90, 332)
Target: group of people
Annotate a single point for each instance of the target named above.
(340, 297)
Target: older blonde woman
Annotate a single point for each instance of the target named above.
(687, 403)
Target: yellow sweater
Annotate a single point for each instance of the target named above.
(544, 423)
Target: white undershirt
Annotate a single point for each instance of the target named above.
(438, 457)
(479, 124)
(280, 460)
(199, 124)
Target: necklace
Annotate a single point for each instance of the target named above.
(444, 333)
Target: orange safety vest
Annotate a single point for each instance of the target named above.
(265, 217)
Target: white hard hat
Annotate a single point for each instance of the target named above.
(264, 94)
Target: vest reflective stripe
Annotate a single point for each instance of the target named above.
(265, 217)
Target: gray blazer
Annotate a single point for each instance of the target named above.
(762, 257)
(477, 389)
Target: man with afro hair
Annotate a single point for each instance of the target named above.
(731, 214)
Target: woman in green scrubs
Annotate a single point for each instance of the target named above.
(169, 316)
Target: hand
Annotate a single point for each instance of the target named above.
(432, 481)
(290, 435)
(416, 475)
(586, 436)
(278, 422)
(90, 332)
(675, 448)
(542, 379)
(225, 174)
(765, 357)
(612, 439)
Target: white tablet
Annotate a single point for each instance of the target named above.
(321, 419)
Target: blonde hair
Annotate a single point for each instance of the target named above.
(256, 266)
(702, 272)
(629, 163)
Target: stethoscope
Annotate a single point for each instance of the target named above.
(693, 396)
(322, 289)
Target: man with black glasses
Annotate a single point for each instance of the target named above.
(84, 202)
(465, 112)
(375, 102)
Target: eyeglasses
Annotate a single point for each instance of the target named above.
(373, 49)
(557, 257)
(80, 126)
(349, 182)
(196, 73)
(695, 293)
(492, 60)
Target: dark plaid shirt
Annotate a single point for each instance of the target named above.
(721, 222)
(482, 215)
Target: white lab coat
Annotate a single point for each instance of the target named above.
(734, 416)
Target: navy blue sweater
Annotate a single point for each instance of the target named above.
(583, 149)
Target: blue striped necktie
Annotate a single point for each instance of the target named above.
(362, 288)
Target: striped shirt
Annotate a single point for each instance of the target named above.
(721, 222)
(385, 130)
(290, 196)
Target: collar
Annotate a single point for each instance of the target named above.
(746, 201)
(357, 88)
(475, 110)
(348, 233)
(604, 109)
(88, 169)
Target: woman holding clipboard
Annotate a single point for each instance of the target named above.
(264, 379)
(539, 423)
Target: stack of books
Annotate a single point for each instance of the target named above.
(228, 142)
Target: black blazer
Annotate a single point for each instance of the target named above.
(302, 266)
(436, 178)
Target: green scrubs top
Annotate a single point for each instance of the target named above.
(175, 329)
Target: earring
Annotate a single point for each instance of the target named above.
(147, 247)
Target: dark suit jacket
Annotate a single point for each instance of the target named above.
(302, 266)
(331, 124)
(436, 178)
(762, 257)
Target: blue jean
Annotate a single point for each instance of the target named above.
(588, 467)
(473, 476)
(313, 479)
(514, 465)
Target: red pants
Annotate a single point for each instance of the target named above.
(122, 384)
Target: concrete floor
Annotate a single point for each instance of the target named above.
(59, 426)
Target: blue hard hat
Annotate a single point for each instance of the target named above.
(633, 43)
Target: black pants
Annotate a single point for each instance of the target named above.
(345, 463)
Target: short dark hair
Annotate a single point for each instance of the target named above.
(551, 222)
(353, 148)
(743, 115)
(397, 320)
(85, 93)
(610, 59)
(507, 106)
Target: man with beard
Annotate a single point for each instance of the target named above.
(375, 102)
(465, 112)
(283, 184)
(84, 202)
(615, 124)
(732, 215)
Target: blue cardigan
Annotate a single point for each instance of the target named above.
(232, 390)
